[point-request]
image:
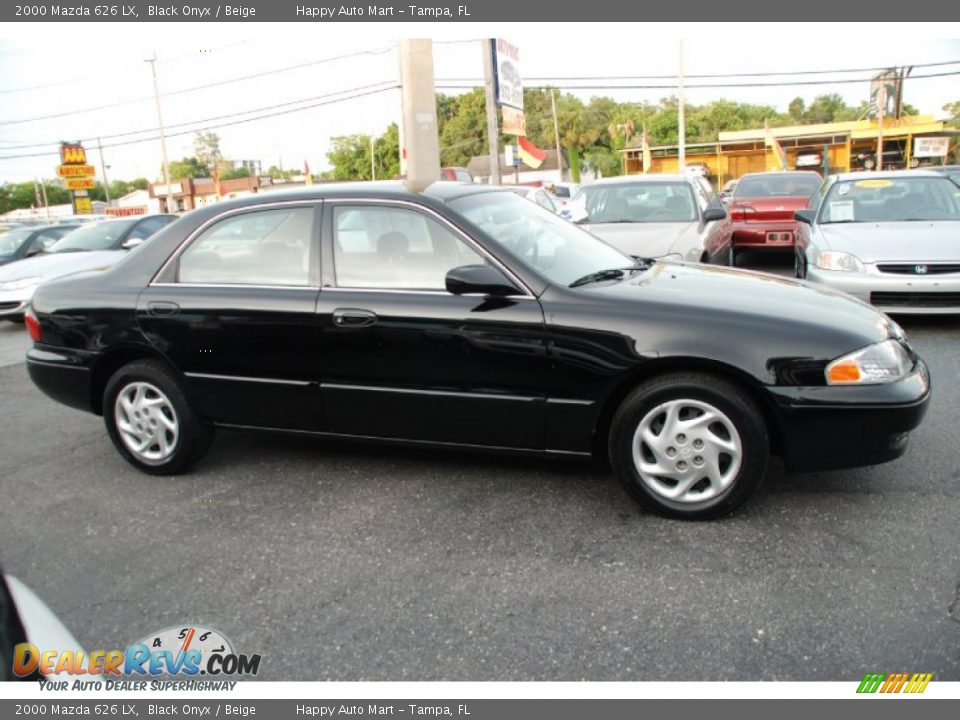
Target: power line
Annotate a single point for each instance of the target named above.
(721, 75)
(206, 86)
(672, 86)
(219, 125)
(389, 83)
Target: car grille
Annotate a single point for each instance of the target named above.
(919, 268)
(916, 299)
(4, 306)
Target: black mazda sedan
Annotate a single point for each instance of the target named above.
(469, 317)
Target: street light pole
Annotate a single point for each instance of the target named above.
(681, 113)
(163, 137)
(103, 170)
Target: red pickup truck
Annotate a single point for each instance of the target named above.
(762, 206)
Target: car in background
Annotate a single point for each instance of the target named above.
(889, 238)
(951, 171)
(652, 216)
(761, 212)
(22, 242)
(535, 194)
(563, 192)
(466, 316)
(727, 190)
(92, 246)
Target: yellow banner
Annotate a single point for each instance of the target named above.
(76, 170)
(80, 183)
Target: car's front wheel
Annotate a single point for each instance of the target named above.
(689, 445)
(151, 422)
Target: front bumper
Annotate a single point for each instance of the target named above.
(834, 427)
(14, 303)
(893, 293)
(63, 375)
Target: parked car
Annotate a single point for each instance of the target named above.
(951, 171)
(18, 243)
(563, 192)
(92, 246)
(727, 190)
(889, 238)
(652, 216)
(761, 210)
(466, 316)
(535, 194)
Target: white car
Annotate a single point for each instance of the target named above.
(651, 216)
(890, 238)
(535, 194)
(94, 246)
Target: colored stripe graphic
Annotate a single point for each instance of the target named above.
(894, 683)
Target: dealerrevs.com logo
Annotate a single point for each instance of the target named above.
(911, 683)
(175, 651)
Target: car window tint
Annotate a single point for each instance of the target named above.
(267, 247)
(388, 247)
(148, 227)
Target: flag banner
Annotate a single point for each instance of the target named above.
(531, 155)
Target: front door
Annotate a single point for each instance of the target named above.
(403, 358)
(237, 314)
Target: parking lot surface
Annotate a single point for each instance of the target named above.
(350, 562)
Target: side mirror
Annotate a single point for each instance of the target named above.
(480, 280)
(131, 243)
(805, 215)
(713, 214)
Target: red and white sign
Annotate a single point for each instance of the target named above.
(126, 211)
(926, 147)
(514, 121)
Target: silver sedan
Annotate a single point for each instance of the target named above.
(891, 239)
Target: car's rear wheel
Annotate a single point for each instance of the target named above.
(689, 445)
(151, 422)
(732, 255)
(799, 265)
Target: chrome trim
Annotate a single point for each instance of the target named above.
(444, 393)
(399, 291)
(311, 288)
(240, 378)
(311, 203)
(444, 221)
(567, 401)
(566, 453)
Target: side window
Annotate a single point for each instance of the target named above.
(545, 201)
(47, 238)
(148, 227)
(265, 247)
(390, 247)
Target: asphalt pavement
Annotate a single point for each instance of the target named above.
(352, 562)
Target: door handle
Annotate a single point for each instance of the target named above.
(351, 318)
(162, 308)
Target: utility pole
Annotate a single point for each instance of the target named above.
(556, 132)
(493, 130)
(163, 137)
(881, 108)
(373, 167)
(43, 192)
(103, 170)
(681, 113)
(419, 103)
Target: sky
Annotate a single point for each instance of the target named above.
(49, 72)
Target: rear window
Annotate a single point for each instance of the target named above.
(793, 185)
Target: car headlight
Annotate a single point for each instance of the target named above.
(844, 262)
(883, 362)
(21, 284)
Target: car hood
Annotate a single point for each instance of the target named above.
(916, 241)
(726, 307)
(647, 239)
(57, 265)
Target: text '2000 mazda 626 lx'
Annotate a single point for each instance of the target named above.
(466, 316)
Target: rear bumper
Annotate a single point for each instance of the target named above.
(755, 234)
(829, 428)
(63, 375)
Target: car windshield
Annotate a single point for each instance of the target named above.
(12, 239)
(99, 236)
(553, 247)
(789, 185)
(893, 199)
(641, 202)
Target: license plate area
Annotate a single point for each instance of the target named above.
(784, 237)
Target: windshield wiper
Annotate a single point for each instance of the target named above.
(610, 274)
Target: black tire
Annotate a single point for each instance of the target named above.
(737, 409)
(732, 255)
(799, 269)
(193, 435)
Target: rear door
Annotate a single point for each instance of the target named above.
(403, 358)
(235, 311)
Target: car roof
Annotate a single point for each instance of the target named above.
(658, 177)
(885, 174)
(781, 173)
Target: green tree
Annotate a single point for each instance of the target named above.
(206, 148)
(234, 173)
(188, 168)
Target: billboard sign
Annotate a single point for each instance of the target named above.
(514, 121)
(885, 94)
(509, 83)
(928, 147)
